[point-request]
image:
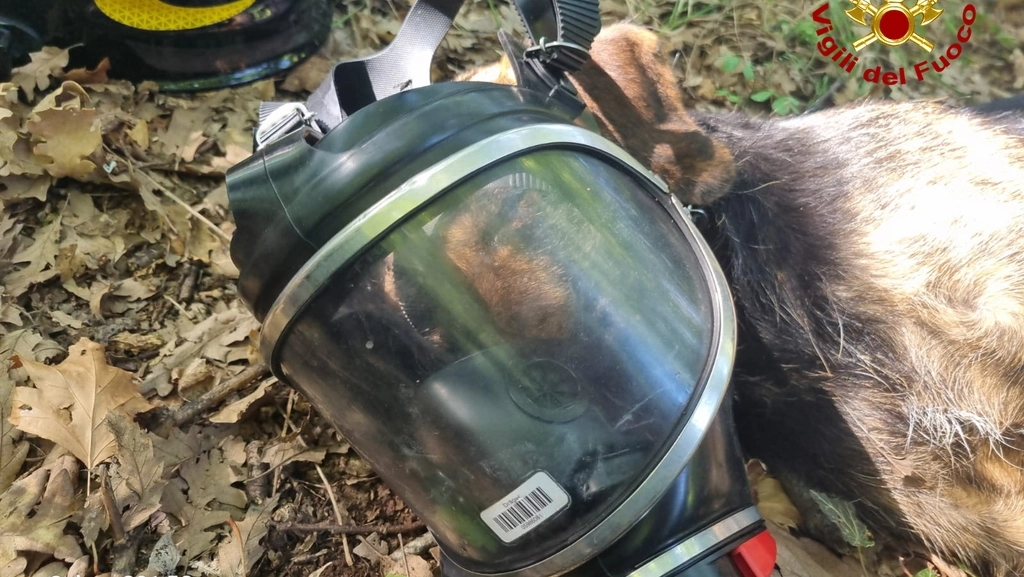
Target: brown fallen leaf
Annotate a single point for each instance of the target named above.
(184, 134)
(138, 477)
(66, 132)
(238, 554)
(97, 75)
(27, 345)
(36, 509)
(233, 412)
(13, 449)
(194, 537)
(70, 402)
(287, 449)
(210, 477)
(37, 74)
(408, 566)
(215, 334)
(17, 188)
(771, 499)
(40, 254)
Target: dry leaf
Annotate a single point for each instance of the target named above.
(238, 558)
(210, 477)
(65, 132)
(71, 401)
(408, 566)
(233, 412)
(308, 75)
(205, 336)
(193, 538)
(185, 132)
(66, 320)
(28, 346)
(36, 75)
(182, 446)
(41, 256)
(17, 188)
(288, 449)
(12, 449)
(97, 75)
(138, 478)
(771, 499)
(36, 509)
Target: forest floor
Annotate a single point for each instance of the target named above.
(118, 297)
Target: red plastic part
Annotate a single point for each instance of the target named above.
(756, 556)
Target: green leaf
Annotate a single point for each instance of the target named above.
(748, 71)
(761, 95)
(785, 105)
(844, 516)
(730, 63)
(806, 32)
(734, 98)
(926, 572)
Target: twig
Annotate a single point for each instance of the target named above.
(178, 306)
(284, 431)
(192, 409)
(337, 512)
(405, 558)
(340, 529)
(195, 213)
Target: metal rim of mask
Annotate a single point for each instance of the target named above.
(379, 219)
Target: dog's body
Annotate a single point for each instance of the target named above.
(876, 257)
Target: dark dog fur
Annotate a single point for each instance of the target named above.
(876, 257)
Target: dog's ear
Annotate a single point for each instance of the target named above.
(630, 88)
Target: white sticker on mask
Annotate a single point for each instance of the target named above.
(524, 509)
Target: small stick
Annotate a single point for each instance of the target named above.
(337, 514)
(192, 409)
(405, 558)
(350, 529)
(195, 213)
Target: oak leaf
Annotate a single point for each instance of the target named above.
(193, 538)
(13, 450)
(138, 478)
(41, 256)
(238, 554)
(37, 74)
(36, 509)
(70, 402)
(66, 132)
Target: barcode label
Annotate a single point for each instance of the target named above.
(522, 510)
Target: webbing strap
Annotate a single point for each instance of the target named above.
(561, 30)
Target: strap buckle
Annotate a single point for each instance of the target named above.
(281, 120)
(565, 56)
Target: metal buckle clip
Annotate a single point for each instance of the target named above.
(282, 120)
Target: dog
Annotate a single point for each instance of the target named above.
(875, 254)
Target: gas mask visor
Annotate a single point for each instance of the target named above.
(504, 313)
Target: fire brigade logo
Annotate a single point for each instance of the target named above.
(893, 24)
